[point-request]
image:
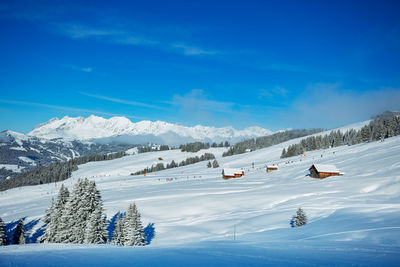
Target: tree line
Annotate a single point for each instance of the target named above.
(267, 141)
(381, 127)
(55, 172)
(160, 166)
(197, 146)
(79, 218)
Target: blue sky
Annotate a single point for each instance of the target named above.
(275, 64)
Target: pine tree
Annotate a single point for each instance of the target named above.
(300, 218)
(133, 229)
(3, 236)
(118, 238)
(209, 164)
(215, 164)
(96, 229)
(19, 236)
(53, 215)
(49, 233)
(72, 216)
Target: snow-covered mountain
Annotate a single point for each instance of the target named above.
(21, 153)
(95, 127)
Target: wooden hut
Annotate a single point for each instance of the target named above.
(272, 168)
(228, 173)
(322, 171)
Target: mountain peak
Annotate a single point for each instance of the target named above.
(95, 127)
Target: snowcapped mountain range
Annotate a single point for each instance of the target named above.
(123, 130)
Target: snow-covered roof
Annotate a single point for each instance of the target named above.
(272, 166)
(232, 172)
(326, 168)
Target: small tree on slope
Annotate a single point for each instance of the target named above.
(215, 164)
(3, 237)
(19, 234)
(300, 218)
(118, 238)
(96, 229)
(133, 229)
(53, 216)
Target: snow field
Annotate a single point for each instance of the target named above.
(193, 203)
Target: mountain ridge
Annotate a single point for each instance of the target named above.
(94, 127)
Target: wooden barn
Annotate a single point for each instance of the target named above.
(228, 173)
(272, 168)
(322, 171)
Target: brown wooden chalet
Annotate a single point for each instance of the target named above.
(322, 171)
(272, 168)
(228, 173)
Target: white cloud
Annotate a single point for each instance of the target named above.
(327, 105)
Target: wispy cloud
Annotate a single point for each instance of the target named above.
(274, 92)
(126, 102)
(128, 37)
(78, 68)
(65, 108)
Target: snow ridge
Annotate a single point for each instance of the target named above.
(95, 127)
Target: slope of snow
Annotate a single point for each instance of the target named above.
(228, 254)
(195, 203)
(95, 127)
(351, 217)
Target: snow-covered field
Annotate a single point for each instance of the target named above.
(353, 219)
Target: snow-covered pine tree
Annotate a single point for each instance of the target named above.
(53, 219)
(96, 228)
(118, 238)
(19, 236)
(3, 236)
(71, 216)
(215, 164)
(300, 218)
(133, 229)
(49, 233)
(49, 211)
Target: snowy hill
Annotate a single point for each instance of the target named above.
(353, 219)
(94, 127)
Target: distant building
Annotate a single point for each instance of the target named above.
(322, 171)
(272, 168)
(228, 173)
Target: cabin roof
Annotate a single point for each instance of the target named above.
(232, 172)
(325, 168)
(272, 166)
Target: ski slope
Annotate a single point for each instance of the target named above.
(194, 205)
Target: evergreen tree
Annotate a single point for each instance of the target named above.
(215, 164)
(3, 236)
(133, 229)
(19, 236)
(209, 164)
(118, 238)
(53, 215)
(96, 229)
(72, 223)
(300, 218)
